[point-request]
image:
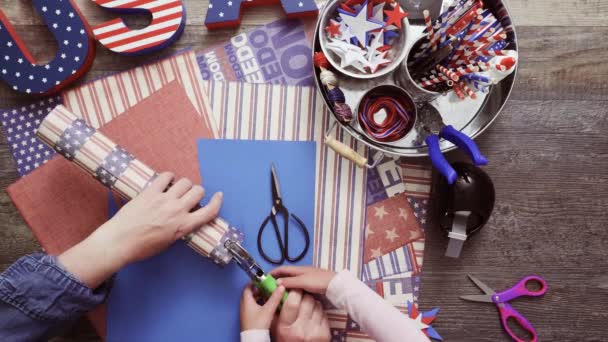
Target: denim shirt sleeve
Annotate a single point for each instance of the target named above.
(38, 296)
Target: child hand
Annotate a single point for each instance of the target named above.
(145, 226)
(309, 279)
(255, 316)
(301, 319)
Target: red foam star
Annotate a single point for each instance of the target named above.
(333, 29)
(385, 48)
(395, 16)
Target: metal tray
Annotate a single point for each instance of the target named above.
(472, 117)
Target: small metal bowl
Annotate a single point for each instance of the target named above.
(400, 95)
(404, 78)
(396, 54)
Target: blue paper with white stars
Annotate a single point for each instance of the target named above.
(224, 13)
(75, 50)
(20, 125)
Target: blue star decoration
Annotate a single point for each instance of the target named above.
(75, 50)
(424, 320)
(227, 13)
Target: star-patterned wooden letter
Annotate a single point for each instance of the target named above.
(75, 50)
(227, 13)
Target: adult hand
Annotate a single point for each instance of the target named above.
(301, 319)
(309, 279)
(255, 316)
(145, 226)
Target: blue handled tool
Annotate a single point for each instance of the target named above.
(434, 129)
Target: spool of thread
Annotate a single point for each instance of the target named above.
(343, 112)
(398, 120)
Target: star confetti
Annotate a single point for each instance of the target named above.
(369, 27)
(395, 16)
(424, 320)
(333, 29)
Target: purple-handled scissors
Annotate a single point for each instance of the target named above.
(501, 300)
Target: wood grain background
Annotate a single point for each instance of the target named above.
(548, 153)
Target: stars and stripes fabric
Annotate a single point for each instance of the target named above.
(20, 125)
(167, 25)
(250, 111)
(120, 171)
(75, 50)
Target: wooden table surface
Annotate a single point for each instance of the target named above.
(548, 153)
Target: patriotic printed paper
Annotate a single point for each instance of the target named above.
(20, 125)
(390, 224)
(279, 53)
(75, 50)
(167, 25)
(99, 102)
(119, 170)
(274, 112)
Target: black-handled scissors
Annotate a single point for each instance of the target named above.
(279, 209)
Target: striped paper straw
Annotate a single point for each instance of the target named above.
(483, 66)
(489, 40)
(120, 171)
(432, 79)
(480, 78)
(429, 29)
(458, 91)
(449, 73)
(483, 88)
(467, 90)
(469, 69)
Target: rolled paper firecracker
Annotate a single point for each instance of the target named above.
(449, 73)
(117, 169)
(343, 112)
(467, 90)
(458, 91)
(398, 121)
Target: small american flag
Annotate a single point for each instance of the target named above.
(20, 125)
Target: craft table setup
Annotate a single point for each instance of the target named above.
(352, 101)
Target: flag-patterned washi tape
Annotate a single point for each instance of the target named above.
(119, 170)
(167, 25)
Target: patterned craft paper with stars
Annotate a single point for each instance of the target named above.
(75, 50)
(390, 224)
(20, 126)
(225, 13)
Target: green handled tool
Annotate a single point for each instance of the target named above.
(263, 281)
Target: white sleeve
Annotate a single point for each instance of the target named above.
(376, 317)
(255, 335)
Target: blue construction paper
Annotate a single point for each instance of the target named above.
(181, 296)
